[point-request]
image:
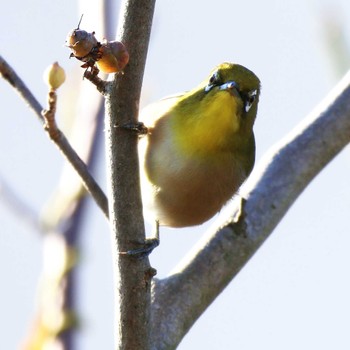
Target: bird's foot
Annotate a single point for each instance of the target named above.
(139, 128)
(143, 251)
(148, 245)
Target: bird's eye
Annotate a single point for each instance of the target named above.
(250, 98)
(214, 80)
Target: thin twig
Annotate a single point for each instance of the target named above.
(49, 116)
(66, 213)
(96, 80)
(13, 79)
(61, 141)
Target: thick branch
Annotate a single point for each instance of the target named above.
(277, 181)
(132, 275)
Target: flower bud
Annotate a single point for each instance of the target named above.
(54, 76)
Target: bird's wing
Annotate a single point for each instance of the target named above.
(155, 110)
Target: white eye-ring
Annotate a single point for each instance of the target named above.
(213, 81)
(250, 100)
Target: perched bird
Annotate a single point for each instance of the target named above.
(199, 147)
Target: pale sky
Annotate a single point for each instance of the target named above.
(294, 293)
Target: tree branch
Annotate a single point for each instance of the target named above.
(65, 214)
(277, 181)
(132, 275)
(13, 79)
(61, 141)
(18, 207)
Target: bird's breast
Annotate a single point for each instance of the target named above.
(182, 191)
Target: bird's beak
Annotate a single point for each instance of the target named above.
(232, 87)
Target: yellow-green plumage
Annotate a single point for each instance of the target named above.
(199, 148)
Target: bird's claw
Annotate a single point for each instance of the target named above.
(143, 251)
(137, 127)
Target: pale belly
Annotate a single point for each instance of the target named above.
(193, 194)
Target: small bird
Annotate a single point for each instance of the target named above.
(199, 147)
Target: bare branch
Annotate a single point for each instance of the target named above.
(13, 79)
(60, 140)
(277, 181)
(132, 275)
(96, 80)
(64, 217)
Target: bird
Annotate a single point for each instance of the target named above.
(199, 147)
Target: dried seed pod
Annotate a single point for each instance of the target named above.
(80, 41)
(114, 57)
(54, 76)
(109, 57)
